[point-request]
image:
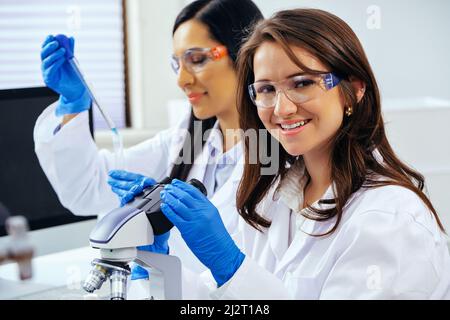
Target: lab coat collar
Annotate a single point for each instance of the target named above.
(291, 189)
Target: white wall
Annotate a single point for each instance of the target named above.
(409, 51)
(152, 81)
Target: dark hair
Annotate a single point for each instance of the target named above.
(354, 164)
(228, 22)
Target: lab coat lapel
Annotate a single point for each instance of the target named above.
(227, 192)
(202, 160)
(302, 241)
(225, 200)
(278, 233)
(298, 246)
(199, 167)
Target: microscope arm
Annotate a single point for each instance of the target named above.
(170, 266)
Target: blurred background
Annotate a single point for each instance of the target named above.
(124, 48)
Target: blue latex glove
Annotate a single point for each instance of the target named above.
(202, 229)
(128, 185)
(59, 75)
(160, 245)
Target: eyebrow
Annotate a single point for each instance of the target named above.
(290, 76)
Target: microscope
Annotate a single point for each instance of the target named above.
(123, 229)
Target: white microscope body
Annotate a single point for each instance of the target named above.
(117, 235)
(122, 230)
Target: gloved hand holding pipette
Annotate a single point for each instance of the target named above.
(59, 75)
(62, 73)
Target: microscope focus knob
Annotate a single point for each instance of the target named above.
(198, 185)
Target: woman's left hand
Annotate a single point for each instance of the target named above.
(202, 229)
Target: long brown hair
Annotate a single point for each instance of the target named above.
(354, 164)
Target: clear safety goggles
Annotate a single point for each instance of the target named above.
(195, 59)
(298, 89)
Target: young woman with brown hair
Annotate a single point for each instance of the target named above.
(342, 217)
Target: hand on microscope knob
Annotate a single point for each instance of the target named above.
(201, 227)
(128, 185)
(59, 75)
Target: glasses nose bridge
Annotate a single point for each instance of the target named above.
(184, 75)
(282, 108)
(281, 88)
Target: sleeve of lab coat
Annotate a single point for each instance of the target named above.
(386, 256)
(78, 171)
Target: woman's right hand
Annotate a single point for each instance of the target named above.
(59, 75)
(128, 185)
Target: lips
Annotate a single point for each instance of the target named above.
(195, 97)
(293, 124)
(293, 127)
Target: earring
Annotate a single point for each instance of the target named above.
(348, 111)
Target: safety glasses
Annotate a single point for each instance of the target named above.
(195, 59)
(299, 89)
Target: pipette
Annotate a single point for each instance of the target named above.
(117, 138)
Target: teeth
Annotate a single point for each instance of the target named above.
(294, 125)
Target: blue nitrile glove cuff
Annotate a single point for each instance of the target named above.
(70, 107)
(226, 266)
(138, 273)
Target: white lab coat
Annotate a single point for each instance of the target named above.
(78, 172)
(387, 246)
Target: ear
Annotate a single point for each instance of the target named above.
(359, 87)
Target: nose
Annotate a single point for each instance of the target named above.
(283, 106)
(184, 77)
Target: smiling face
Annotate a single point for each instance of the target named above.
(301, 128)
(211, 91)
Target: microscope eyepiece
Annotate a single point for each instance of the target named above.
(166, 180)
(198, 185)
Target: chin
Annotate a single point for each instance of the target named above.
(294, 150)
(203, 110)
(201, 113)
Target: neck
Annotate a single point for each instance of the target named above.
(318, 166)
(229, 125)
